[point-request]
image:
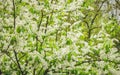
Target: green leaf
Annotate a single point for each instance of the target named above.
(13, 40)
(69, 57)
(37, 59)
(32, 10)
(105, 67)
(69, 1)
(69, 42)
(107, 48)
(20, 29)
(24, 3)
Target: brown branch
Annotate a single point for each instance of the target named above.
(14, 14)
(89, 61)
(56, 37)
(85, 16)
(18, 64)
(22, 56)
(7, 53)
(20, 1)
(34, 71)
(89, 30)
(40, 20)
(46, 71)
(37, 40)
(36, 43)
(46, 25)
(40, 70)
(15, 53)
(117, 2)
(95, 28)
(92, 22)
(45, 31)
(86, 61)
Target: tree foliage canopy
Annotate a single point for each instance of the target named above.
(50, 37)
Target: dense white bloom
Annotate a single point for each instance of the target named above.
(114, 72)
(72, 6)
(113, 55)
(61, 43)
(101, 64)
(103, 54)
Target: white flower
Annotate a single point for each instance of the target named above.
(103, 54)
(72, 6)
(77, 22)
(101, 64)
(114, 72)
(49, 58)
(65, 24)
(85, 50)
(64, 50)
(90, 8)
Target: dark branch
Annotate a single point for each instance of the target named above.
(86, 24)
(7, 53)
(117, 2)
(95, 28)
(40, 20)
(92, 22)
(18, 64)
(46, 24)
(20, 1)
(40, 70)
(45, 30)
(34, 71)
(14, 14)
(15, 53)
(80, 63)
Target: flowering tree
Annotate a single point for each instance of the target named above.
(46, 37)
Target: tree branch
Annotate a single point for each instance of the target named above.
(40, 70)
(86, 61)
(34, 71)
(117, 2)
(92, 22)
(20, 1)
(14, 14)
(95, 27)
(15, 53)
(45, 30)
(18, 64)
(40, 20)
(7, 53)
